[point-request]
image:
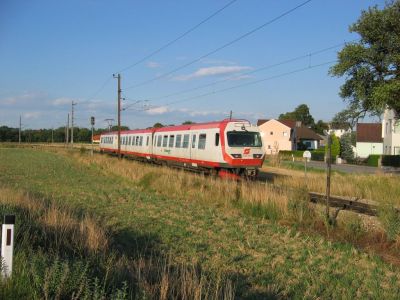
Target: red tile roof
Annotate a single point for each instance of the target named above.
(369, 132)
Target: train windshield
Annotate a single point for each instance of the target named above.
(244, 139)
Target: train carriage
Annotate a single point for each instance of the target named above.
(228, 147)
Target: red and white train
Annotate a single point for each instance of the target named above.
(229, 148)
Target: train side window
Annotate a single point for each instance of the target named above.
(171, 141)
(202, 141)
(185, 141)
(147, 140)
(137, 141)
(141, 141)
(178, 141)
(165, 141)
(193, 141)
(159, 141)
(217, 139)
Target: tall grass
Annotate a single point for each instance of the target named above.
(60, 254)
(286, 200)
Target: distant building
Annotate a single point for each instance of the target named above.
(369, 139)
(289, 135)
(338, 132)
(390, 133)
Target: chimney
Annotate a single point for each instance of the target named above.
(298, 123)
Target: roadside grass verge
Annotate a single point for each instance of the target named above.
(200, 221)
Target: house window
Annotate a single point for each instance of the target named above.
(269, 146)
(202, 141)
(171, 141)
(165, 141)
(185, 141)
(271, 133)
(194, 141)
(285, 133)
(178, 141)
(217, 139)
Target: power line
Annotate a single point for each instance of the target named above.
(296, 58)
(163, 47)
(223, 46)
(245, 84)
(177, 38)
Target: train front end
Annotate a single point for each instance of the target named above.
(242, 149)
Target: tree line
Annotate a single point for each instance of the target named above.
(56, 135)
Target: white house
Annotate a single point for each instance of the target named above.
(369, 139)
(390, 133)
(338, 132)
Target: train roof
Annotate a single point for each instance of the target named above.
(194, 126)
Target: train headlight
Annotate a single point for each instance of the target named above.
(237, 155)
(257, 155)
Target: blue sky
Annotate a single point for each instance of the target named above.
(55, 52)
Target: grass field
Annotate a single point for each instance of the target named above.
(196, 237)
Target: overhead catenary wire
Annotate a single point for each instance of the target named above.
(248, 33)
(229, 78)
(243, 84)
(177, 38)
(163, 47)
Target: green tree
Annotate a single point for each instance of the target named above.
(320, 126)
(371, 65)
(346, 150)
(158, 125)
(301, 113)
(188, 123)
(335, 148)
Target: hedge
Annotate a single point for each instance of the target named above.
(318, 155)
(391, 160)
(297, 153)
(373, 159)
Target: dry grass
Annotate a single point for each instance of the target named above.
(84, 232)
(62, 231)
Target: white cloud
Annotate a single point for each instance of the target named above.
(32, 115)
(23, 98)
(212, 71)
(159, 110)
(61, 101)
(153, 65)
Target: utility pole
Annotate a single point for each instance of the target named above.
(119, 114)
(52, 135)
(67, 133)
(19, 133)
(109, 124)
(328, 177)
(72, 124)
(230, 115)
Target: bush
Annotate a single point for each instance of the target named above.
(391, 160)
(373, 159)
(346, 150)
(335, 148)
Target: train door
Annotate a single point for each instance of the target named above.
(193, 144)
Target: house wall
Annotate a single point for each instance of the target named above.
(365, 149)
(275, 136)
(390, 133)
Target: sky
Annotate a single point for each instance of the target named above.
(56, 52)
